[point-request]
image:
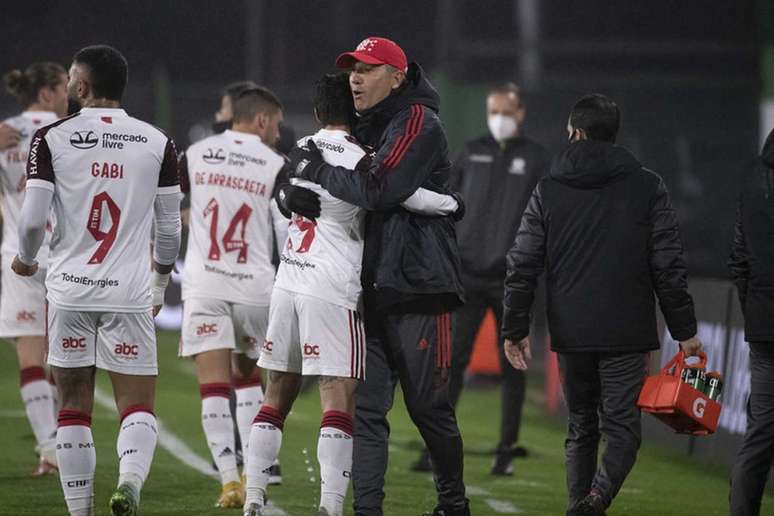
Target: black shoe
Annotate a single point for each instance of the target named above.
(423, 464)
(519, 452)
(592, 505)
(449, 511)
(503, 464)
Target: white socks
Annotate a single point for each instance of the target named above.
(77, 460)
(218, 428)
(334, 453)
(135, 445)
(39, 402)
(249, 396)
(264, 447)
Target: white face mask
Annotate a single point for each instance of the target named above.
(502, 127)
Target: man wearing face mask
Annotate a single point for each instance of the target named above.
(495, 174)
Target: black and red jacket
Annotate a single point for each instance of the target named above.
(411, 262)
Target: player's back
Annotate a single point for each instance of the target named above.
(232, 177)
(13, 164)
(323, 258)
(105, 169)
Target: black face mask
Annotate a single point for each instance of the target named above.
(73, 106)
(219, 127)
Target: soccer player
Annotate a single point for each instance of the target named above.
(411, 268)
(107, 176)
(41, 89)
(315, 326)
(228, 272)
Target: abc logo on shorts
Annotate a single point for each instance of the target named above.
(311, 351)
(74, 343)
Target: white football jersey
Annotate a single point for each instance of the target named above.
(323, 258)
(13, 176)
(230, 240)
(105, 169)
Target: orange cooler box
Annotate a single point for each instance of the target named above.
(678, 404)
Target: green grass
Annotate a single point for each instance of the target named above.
(662, 483)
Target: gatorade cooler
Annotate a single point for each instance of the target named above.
(678, 404)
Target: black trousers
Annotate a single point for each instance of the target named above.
(754, 459)
(601, 390)
(414, 349)
(466, 322)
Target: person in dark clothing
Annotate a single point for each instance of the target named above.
(603, 228)
(411, 268)
(752, 269)
(495, 174)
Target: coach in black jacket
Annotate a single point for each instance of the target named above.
(605, 231)
(752, 269)
(411, 268)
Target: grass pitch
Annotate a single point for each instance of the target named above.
(662, 483)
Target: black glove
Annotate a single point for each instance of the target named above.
(460, 213)
(305, 162)
(297, 199)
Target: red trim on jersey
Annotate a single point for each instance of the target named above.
(215, 389)
(31, 374)
(270, 415)
(254, 380)
(339, 420)
(413, 127)
(73, 418)
(133, 409)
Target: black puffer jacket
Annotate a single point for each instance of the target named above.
(752, 252)
(411, 262)
(604, 229)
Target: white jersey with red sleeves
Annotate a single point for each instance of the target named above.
(230, 242)
(105, 169)
(13, 176)
(323, 258)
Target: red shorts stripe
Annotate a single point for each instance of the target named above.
(351, 346)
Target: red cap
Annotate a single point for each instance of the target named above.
(376, 51)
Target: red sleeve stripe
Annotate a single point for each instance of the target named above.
(402, 144)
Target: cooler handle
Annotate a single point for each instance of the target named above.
(678, 362)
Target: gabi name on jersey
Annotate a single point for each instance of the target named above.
(227, 181)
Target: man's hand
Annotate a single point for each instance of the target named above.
(298, 199)
(518, 353)
(156, 310)
(305, 162)
(9, 136)
(22, 269)
(691, 347)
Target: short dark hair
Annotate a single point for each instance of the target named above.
(598, 116)
(255, 100)
(26, 85)
(234, 89)
(107, 68)
(332, 99)
(505, 88)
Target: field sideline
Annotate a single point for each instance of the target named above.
(661, 484)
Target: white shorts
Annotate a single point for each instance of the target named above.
(310, 336)
(210, 324)
(22, 303)
(121, 342)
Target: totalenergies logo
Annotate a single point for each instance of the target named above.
(367, 45)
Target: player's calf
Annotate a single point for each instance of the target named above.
(334, 446)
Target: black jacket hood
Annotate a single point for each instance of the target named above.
(589, 164)
(767, 154)
(416, 90)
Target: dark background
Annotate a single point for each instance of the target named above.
(686, 74)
